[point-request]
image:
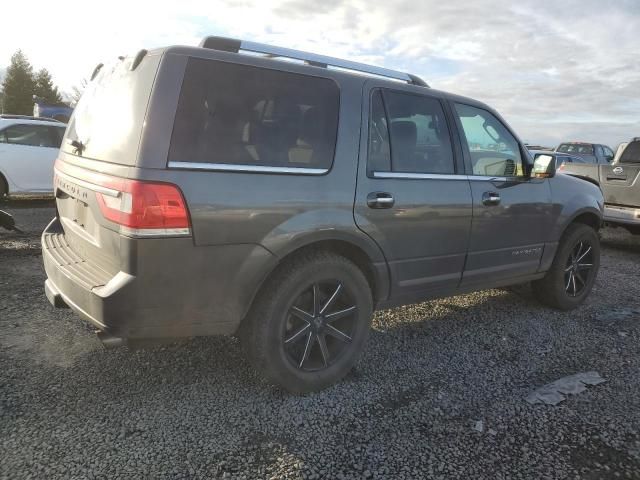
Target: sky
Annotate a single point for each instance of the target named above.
(556, 70)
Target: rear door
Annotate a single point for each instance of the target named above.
(512, 213)
(30, 152)
(412, 196)
(621, 182)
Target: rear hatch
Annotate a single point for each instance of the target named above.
(98, 154)
(621, 182)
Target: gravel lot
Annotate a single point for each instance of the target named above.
(70, 409)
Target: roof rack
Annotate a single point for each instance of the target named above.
(6, 116)
(235, 46)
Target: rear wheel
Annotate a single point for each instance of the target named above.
(573, 272)
(309, 323)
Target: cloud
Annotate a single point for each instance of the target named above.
(555, 70)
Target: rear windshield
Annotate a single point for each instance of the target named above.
(241, 115)
(576, 148)
(631, 153)
(109, 117)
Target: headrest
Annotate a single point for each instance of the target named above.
(404, 131)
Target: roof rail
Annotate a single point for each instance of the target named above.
(235, 46)
(6, 116)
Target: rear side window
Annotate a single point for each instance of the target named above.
(30, 135)
(408, 134)
(631, 153)
(239, 115)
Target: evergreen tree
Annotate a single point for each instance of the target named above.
(44, 89)
(18, 86)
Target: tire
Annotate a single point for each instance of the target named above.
(561, 287)
(286, 329)
(4, 189)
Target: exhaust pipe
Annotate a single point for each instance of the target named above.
(109, 341)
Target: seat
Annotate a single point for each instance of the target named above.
(404, 136)
(309, 146)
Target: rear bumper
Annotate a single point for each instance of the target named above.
(622, 215)
(173, 289)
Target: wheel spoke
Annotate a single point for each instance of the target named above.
(339, 314)
(323, 349)
(332, 299)
(575, 288)
(307, 349)
(334, 332)
(569, 268)
(580, 257)
(566, 288)
(579, 277)
(583, 266)
(316, 299)
(301, 314)
(298, 335)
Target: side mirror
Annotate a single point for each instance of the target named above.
(544, 166)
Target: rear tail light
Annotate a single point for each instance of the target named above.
(144, 209)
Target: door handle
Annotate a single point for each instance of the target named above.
(490, 198)
(380, 200)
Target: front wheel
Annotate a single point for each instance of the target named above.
(573, 271)
(309, 323)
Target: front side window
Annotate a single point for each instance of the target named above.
(631, 154)
(29, 135)
(242, 115)
(408, 134)
(494, 150)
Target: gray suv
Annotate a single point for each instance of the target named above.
(283, 196)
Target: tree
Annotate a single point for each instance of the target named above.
(44, 89)
(18, 86)
(76, 92)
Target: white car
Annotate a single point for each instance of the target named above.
(28, 149)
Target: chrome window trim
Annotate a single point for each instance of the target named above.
(439, 176)
(227, 167)
(432, 176)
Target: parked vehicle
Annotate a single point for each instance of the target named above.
(62, 113)
(28, 149)
(590, 152)
(559, 158)
(284, 202)
(620, 184)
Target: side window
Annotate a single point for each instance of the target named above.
(29, 135)
(241, 115)
(408, 134)
(493, 150)
(379, 159)
(608, 152)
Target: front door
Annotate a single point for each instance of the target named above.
(412, 197)
(512, 213)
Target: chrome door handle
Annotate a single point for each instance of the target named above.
(490, 198)
(380, 200)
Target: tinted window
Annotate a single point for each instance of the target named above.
(608, 152)
(408, 133)
(493, 150)
(58, 134)
(631, 153)
(235, 114)
(30, 135)
(576, 148)
(379, 147)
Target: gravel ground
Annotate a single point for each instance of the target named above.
(432, 376)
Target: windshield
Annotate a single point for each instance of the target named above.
(631, 153)
(107, 122)
(576, 148)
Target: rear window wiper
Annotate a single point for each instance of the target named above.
(78, 146)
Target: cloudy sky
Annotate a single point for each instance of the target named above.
(557, 70)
